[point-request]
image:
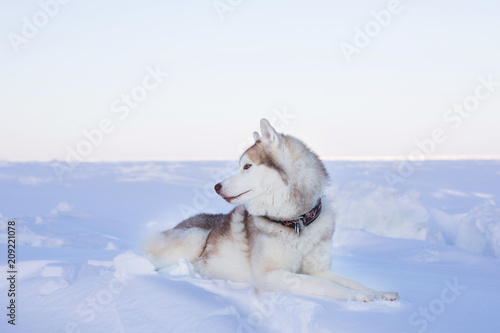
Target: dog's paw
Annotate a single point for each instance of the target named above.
(363, 297)
(390, 296)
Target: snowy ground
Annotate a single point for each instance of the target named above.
(433, 234)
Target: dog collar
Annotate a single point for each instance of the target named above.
(303, 220)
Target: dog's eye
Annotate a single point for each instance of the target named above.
(247, 166)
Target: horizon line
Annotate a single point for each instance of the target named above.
(383, 158)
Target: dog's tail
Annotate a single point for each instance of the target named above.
(165, 248)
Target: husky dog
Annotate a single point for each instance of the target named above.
(278, 238)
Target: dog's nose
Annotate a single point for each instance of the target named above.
(217, 187)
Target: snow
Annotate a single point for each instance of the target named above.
(434, 236)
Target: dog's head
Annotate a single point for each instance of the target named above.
(278, 177)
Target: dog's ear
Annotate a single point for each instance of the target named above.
(269, 134)
(256, 136)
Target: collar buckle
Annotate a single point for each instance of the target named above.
(303, 220)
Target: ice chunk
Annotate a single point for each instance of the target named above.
(129, 263)
(479, 230)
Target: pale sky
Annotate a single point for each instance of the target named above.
(66, 69)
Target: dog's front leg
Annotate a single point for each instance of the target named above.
(354, 285)
(318, 263)
(282, 280)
